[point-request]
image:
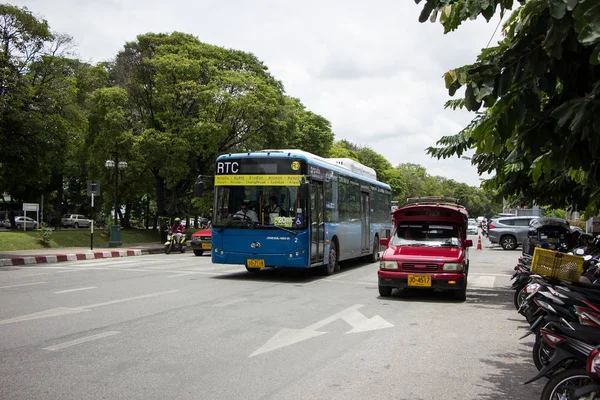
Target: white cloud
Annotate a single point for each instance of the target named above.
(370, 68)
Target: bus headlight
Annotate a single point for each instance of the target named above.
(453, 267)
(388, 265)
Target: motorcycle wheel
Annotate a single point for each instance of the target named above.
(541, 353)
(561, 385)
(167, 249)
(520, 296)
(183, 249)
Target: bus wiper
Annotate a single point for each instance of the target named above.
(287, 230)
(278, 227)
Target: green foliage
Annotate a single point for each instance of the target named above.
(555, 212)
(539, 130)
(45, 233)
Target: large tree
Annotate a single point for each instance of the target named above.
(535, 93)
(190, 101)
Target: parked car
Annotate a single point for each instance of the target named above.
(76, 221)
(29, 223)
(509, 232)
(201, 241)
(429, 249)
(472, 227)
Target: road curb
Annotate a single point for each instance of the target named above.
(9, 262)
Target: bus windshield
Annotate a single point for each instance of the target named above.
(259, 206)
(426, 235)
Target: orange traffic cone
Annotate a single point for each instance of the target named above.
(479, 243)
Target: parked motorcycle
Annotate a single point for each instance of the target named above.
(173, 244)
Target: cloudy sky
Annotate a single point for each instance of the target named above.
(370, 68)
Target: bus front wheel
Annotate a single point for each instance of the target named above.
(333, 265)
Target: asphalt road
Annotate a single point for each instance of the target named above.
(179, 327)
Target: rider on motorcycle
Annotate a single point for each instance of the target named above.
(177, 230)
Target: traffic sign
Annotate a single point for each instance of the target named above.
(93, 187)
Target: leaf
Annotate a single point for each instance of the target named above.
(427, 9)
(587, 22)
(470, 101)
(595, 56)
(564, 112)
(558, 8)
(489, 12)
(450, 77)
(446, 11)
(505, 81)
(433, 17)
(571, 4)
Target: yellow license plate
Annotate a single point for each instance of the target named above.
(419, 280)
(206, 246)
(253, 263)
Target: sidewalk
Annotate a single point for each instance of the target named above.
(53, 255)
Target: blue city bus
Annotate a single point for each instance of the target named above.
(290, 208)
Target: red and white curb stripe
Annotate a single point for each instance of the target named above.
(7, 262)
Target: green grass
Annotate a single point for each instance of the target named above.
(31, 240)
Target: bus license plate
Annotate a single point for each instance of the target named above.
(419, 280)
(254, 263)
(206, 246)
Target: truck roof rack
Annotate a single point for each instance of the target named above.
(434, 200)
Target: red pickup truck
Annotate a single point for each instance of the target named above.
(429, 248)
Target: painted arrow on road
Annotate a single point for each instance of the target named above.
(352, 316)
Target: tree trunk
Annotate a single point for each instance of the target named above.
(160, 196)
(127, 217)
(59, 211)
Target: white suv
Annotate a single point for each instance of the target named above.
(76, 221)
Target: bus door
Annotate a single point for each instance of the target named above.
(317, 226)
(365, 223)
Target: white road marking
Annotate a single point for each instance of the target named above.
(82, 340)
(76, 290)
(230, 302)
(475, 273)
(144, 296)
(351, 315)
(21, 284)
(41, 273)
(181, 274)
(482, 281)
(56, 312)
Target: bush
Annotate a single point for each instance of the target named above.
(45, 232)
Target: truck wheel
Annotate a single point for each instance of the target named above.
(385, 291)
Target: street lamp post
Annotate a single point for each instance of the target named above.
(115, 229)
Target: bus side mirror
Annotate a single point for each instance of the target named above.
(304, 191)
(384, 242)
